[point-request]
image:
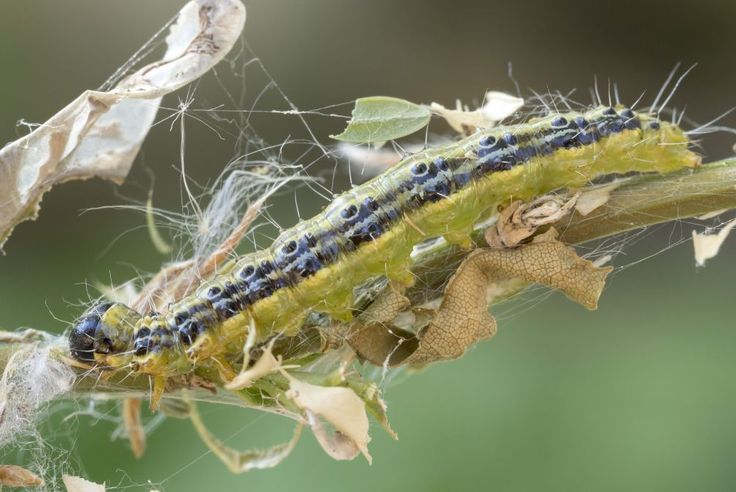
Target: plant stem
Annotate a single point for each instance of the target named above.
(640, 201)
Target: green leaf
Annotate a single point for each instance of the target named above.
(381, 118)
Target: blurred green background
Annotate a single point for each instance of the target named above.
(636, 396)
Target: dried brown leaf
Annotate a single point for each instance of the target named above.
(243, 461)
(520, 220)
(16, 476)
(463, 317)
(100, 133)
(133, 427)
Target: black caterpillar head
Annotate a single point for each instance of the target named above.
(104, 329)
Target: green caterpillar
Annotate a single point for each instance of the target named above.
(371, 230)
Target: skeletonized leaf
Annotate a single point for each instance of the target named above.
(79, 484)
(463, 318)
(16, 476)
(380, 118)
(99, 133)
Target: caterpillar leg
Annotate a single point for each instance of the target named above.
(157, 391)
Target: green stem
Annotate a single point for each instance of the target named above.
(640, 201)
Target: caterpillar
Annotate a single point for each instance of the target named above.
(371, 230)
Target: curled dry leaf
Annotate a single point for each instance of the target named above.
(706, 246)
(520, 220)
(342, 409)
(124, 293)
(243, 461)
(79, 484)
(100, 133)
(133, 426)
(500, 105)
(33, 376)
(16, 476)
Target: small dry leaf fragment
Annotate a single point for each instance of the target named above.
(374, 159)
(16, 476)
(133, 427)
(463, 317)
(265, 365)
(520, 220)
(338, 406)
(100, 133)
(706, 246)
(243, 461)
(592, 199)
(370, 393)
(497, 106)
(79, 484)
